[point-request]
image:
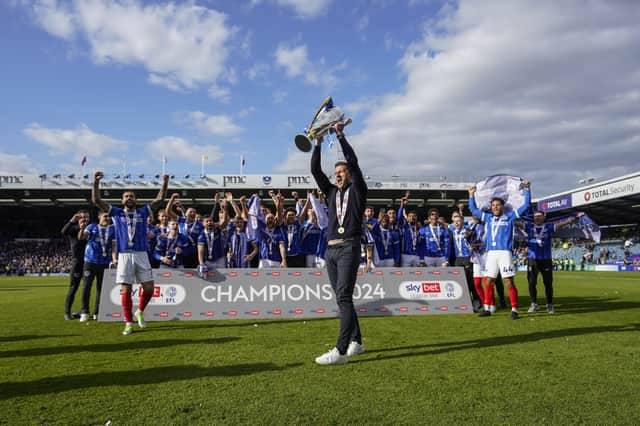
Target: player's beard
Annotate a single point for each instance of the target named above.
(130, 204)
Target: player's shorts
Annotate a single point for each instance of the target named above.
(386, 263)
(499, 261)
(268, 263)
(409, 261)
(133, 268)
(478, 265)
(435, 262)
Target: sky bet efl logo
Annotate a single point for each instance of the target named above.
(430, 290)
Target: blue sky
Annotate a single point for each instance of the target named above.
(541, 89)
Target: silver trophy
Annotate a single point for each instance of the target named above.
(325, 117)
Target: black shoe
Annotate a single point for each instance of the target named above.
(514, 315)
(503, 304)
(484, 314)
(76, 315)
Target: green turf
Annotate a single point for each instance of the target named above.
(580, 366)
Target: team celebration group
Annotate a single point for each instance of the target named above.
(330, 228)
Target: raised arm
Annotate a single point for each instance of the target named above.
(173, 201)
(96, 199)
(229, 198)
(472, 204)
(350, 156)
(303, 213)
(216, 207)
(157, 202)
(527, 198)
(243, 208)
(567, 221)
(316, 168)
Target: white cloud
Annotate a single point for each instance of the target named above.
(307, 9)
(218, 125)
(180, 149)
(20, 163)
(257, 71)
(296, 63)
(362, 23)
(182, 45)
(541, 89)
(279, 96)
(78, 142)
(245, 112)
(54, 18)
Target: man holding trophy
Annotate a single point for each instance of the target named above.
(346, 203)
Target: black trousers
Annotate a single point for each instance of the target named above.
(342, 267)
(190, 261)
(545, 268)
(91, 271)
(465, 262)
(296, 261)
(75, 277)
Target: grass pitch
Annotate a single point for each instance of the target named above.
(580, 366)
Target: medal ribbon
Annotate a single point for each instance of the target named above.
(495, 226)
(435, 237)
(132, 221)
(341, 206)
(102, 231)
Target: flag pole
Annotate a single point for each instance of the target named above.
(164, 160)
(241, 165)
(202, 166)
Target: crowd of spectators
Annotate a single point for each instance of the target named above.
(34, 256)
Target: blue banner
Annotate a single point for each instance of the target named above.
(557, 203)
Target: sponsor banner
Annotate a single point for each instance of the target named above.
(629, 268)
(292, 293)
(608, 191)
(556, 203)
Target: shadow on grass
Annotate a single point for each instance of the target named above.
(446, 347)
(147, 376)
(113, 347)
(199, 324)
(583, 305)
(5, 339)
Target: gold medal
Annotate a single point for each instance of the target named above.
(341, 230)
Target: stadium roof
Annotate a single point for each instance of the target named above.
(73, 190)
(612, 202)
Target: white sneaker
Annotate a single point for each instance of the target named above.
(84, 317)
(140, 317)
(492, 309)
(355, 348)
(550, 309)
(332, 357)
(533, 308)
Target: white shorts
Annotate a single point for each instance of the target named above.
(133, 268)
(499, 261)
(478, 266)
(386, 263)
(267, 263)
(435, 262)
(219, 263)
(409, 260)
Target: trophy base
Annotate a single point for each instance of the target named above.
(303, 143)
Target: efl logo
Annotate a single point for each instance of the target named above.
(166, 274)
(187, 314)
(359, 273)
(320, 311)
(231, 313)
(298, 311)
(423, 308)
(211, 273)
(437, 272)
(383, 309)
(254, 312)
(277, 312)
(188, 274)
(455, 272)
(233, 274)
(210, 313)
(398, 273)
(404, 309)
(156, 291)
(378, 273)
(431, 287)
(362, 310)
(317, 273)
(255, 274)
(164, 314)
(464, 308)
(116, 315)
(296, 274)
(275, 274)
(444, 308)
(418, 273)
